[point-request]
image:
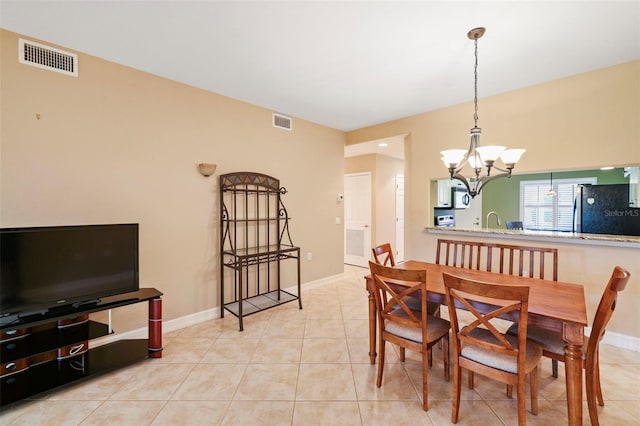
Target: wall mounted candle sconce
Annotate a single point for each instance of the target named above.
(207, 169)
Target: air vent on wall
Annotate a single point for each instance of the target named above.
(47, 57)
(282, 121)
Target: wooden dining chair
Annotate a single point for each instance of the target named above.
(403, 326)
(553, 345)
(383, 255)
(481, 348)
(514, 224)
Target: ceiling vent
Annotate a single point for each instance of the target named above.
(47, 57)
(282, 121)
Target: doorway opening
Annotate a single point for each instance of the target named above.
(384, 160)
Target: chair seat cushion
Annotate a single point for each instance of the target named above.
(415, 304)
(436, 328)
(502, 362)
(551, 341)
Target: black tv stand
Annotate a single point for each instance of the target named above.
(85, 303)
(50, 349)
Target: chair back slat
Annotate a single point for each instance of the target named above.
(510, 259)
(528, 261)
(463, 254)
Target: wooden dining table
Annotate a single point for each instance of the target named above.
(553, 305)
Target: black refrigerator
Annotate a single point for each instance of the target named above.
(604, 209)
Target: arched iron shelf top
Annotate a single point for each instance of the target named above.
(230, 181)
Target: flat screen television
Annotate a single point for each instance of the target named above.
(44, 268)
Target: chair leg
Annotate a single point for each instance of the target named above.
(380, 362)
(425, 386)
(470, 379)
(522, 401)
(554, 368)
(509, 391)
(445, 357)
(436, 314)
(591, 386)
(533, 383)
(430, 358)
(457, 383)
(402, 354)
(597, 378)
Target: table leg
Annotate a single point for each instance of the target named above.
(372, 324)
(574, 338)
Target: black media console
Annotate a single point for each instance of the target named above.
(51, 349)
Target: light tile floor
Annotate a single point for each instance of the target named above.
(305, 367)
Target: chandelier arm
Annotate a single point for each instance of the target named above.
(507, 170)
(478, 184)
(458, 176)
(486, 179)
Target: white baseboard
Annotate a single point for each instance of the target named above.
(317, 283)
(619, 340)
(610, 338)
(195, 318)
(167, 326)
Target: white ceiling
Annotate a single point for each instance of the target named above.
(346, 65)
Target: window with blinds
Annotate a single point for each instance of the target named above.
(540, 210)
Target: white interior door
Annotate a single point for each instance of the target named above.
(470, 217)
(399, 246)
(357, 219)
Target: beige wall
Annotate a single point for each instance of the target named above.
(584, 121)
(118, 145)
(384, 170)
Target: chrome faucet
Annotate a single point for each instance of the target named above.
(489, 215)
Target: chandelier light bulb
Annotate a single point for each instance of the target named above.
(490, 153)
(453, 157)
(511, 156)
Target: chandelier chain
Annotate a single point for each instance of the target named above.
(475, 86)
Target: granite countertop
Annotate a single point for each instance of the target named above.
(568, 237)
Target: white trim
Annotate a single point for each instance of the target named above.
(318, 283)
(195, 318)
(619, 340)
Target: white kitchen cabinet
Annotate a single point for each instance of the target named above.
(444, 191)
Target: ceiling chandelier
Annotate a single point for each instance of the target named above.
(479, 156)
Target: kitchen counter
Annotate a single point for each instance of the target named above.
(564, 237)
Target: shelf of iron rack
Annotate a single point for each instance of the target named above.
(254, 241)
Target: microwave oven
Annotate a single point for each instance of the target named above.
(460, 198)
